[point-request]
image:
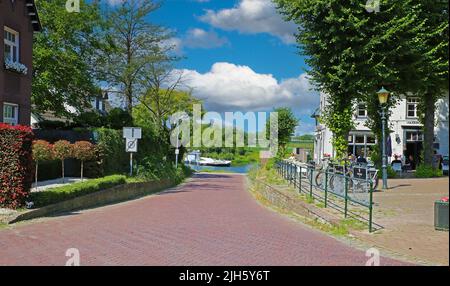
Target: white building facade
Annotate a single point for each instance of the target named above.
(406, 131)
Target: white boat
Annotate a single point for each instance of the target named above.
(213, 162)
(194, 158)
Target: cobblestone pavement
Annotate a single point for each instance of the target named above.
(406, 211)
(210, 220)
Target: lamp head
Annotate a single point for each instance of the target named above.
(383, 95)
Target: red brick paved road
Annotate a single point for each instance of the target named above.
(210, 220)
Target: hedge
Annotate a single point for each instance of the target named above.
(424, 171)
(16, 165)
(63, 193)
(113, 158)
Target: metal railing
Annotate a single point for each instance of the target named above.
(349, 192)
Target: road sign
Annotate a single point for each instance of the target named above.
(132, 133)
(131, 145)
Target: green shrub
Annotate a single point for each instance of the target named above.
(391, 172)
(152, 168)
(63, 193)
(424, 171)
(112, 155)
(270, 164)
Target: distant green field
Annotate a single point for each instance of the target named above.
(302, 144)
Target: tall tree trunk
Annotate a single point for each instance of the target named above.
(36, 177)
(129, 99)
(82, 171)
(428, 129)
(62, 165)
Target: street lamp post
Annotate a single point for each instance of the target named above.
(177, 151)
(383, 96)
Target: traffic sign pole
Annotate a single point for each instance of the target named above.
(131, 134)
(131, 164)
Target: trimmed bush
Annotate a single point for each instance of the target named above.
(62, 150)
(63, 193)
(424, 171)
(16, 165)
(83, 151)
(42, 151)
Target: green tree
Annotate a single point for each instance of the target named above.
(117, 118)
(287, 122)
(430, 42)
(353, 52)
(64, 56)
(153, 111)
(135, 45)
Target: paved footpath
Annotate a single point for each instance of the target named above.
(210, 220)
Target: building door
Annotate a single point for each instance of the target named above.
(414, 146)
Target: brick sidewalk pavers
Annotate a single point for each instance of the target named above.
(406, 211)
(210, 220)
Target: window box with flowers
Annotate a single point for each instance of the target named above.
(16, 67)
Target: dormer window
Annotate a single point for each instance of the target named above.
(11, 39)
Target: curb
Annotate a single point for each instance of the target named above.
(104, 197)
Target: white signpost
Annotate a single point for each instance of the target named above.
(131, 134)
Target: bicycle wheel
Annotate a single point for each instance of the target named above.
(319, 179)
(332, 183)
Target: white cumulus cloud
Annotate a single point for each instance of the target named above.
(199, 38)
(230, 87)
(252, 17)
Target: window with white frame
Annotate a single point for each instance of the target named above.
(362, 110)
(414, 136)
(11, 39)
(361, 143)
(411, 107)
(10, 113)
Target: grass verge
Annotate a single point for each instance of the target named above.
(271, 177)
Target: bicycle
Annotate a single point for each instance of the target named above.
(358, 183)
(326, 167)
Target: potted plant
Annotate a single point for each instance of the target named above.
(16, 67)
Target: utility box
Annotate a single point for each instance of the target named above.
(441, 215)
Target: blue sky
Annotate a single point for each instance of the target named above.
(239, 55)
(262, 52)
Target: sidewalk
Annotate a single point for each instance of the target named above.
(406, 211)
(43, 185)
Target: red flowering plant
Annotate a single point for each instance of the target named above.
(83, 151)
(62, 150)
(16, 165)
(42, 151)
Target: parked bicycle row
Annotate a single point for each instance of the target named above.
(352, 185)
